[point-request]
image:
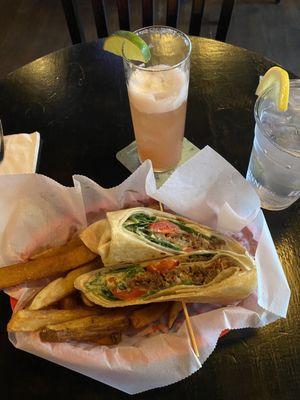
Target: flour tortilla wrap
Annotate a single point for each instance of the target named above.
(139, 234)
(217, 277)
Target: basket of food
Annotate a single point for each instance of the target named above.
(111, 285)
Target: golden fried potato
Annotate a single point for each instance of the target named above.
(60, 287)
(145, 315)
(108, 340)
(84, 329)
(174, 310)
(71, 244)
(29, 321)
(41, 267)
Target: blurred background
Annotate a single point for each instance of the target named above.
(30, 29)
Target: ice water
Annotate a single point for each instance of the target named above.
(158, 97)
(274, 167)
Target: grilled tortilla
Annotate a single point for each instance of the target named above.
(139, 234)
(207, 277)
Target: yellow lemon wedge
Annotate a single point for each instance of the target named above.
(275, 84)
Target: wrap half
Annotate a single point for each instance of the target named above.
(139, 234)
(217, 277)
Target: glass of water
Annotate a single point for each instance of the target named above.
(274, 166)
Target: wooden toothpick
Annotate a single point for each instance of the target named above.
(190, 329)
(187, 317)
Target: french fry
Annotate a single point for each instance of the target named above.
(150, 313)
(44, 267)
(60, 287)
(68, 303)
(86, 301)
(30, 321)
(108, 340)
(84, 329)
(71, 244)
(175, 309)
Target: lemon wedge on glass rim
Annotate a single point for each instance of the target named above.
(135, 48)
(275, 84)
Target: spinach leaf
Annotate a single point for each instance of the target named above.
(200, 257)
(185, 228)
(131, 272)
(107, 293)
(96, 286)
(152, 237)
(140, 219)
(92, 285)
(132, 227)
(165, 243)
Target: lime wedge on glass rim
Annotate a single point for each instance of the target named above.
(135, 48)
(275, 84)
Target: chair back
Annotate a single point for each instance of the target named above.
(77, 32)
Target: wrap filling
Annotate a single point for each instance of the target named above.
(173, 234)
(143, 280)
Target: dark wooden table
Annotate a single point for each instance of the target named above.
(76, 98)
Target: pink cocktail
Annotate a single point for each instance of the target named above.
(158, 96)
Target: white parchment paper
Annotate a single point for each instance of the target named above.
(37, 210)
(20, 153)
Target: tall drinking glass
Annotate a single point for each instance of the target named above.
(274, 167)
(158, 93)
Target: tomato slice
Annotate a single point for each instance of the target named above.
(164, 227)
(162, 266)
(128, 294)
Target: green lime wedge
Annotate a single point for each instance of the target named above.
(134, 47)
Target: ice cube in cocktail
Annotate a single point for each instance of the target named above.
(274, 167)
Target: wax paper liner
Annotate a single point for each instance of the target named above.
(207, 189)
(21, 153)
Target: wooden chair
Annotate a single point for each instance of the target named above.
(77, 32)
